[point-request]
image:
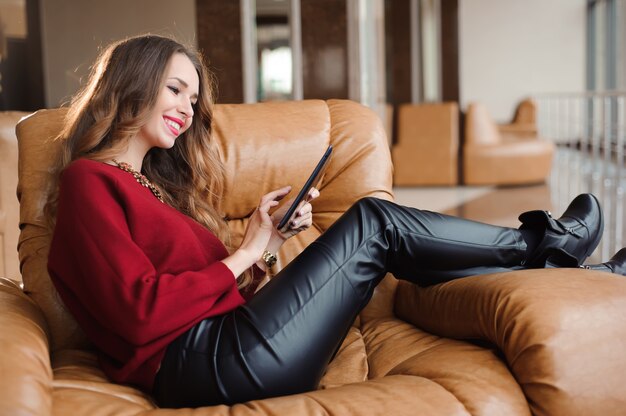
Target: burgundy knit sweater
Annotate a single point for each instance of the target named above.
(133, 271)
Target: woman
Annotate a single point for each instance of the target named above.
(148, 274)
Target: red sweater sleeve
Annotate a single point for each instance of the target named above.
(137, 267)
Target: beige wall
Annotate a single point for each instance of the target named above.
(510, 49)
(73, 30)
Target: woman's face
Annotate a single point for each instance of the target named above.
(173, 111)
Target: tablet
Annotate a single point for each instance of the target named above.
(310, 183)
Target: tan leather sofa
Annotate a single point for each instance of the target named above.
(9, 209)
(524, 120)
(426, 152)
(542, 342)
(510, 157)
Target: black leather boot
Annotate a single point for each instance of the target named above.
(568, 241)
(616, 265)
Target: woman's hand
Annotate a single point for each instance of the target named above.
(258, 233)
(300, 222)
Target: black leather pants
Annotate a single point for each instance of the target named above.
(280, 342)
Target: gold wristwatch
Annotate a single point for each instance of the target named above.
(269, 259)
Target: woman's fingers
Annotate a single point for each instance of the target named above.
(275, 195)
(305, 209)
(264, 216)
(304, 215)
(269, 201)
(313, 193)
(265, 207)
(306, 219)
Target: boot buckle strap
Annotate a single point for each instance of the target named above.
(573, 232)
(540, 217)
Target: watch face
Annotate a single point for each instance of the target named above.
(268, 258)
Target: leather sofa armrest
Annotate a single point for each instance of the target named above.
(5, 281)
(562, 332)
(26, 381)
(520, 130)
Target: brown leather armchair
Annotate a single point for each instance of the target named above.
(546, 342)
(512, 155)
(428, 145)
(524, 120)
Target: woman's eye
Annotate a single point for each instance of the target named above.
(174, 90)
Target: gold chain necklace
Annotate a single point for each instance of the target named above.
(127, 167)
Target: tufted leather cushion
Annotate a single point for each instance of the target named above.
(561, 331)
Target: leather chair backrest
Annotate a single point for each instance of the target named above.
(265, 146)
(427, 149)
(480, 129)
(526, 112)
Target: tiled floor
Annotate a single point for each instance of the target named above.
(572, 174)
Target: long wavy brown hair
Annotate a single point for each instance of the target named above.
(116, 102)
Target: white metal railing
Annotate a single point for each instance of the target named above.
(590, 132)
(595, 119)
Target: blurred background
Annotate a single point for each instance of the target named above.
(373, 51)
